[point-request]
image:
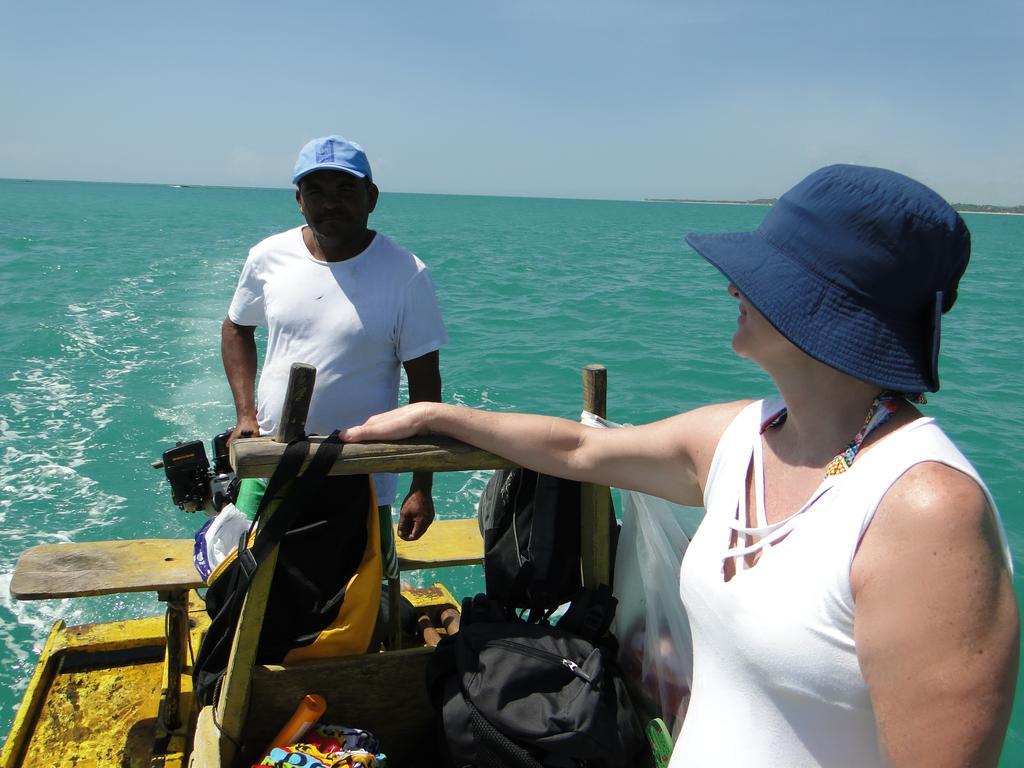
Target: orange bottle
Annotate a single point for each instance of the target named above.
(309, 711)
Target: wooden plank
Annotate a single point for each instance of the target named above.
(258, 456)
(104, 637)
(104, 567)
(595, 500)
(107, 567)
(446, 543)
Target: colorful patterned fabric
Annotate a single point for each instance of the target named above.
(884, 406)
(329, 746)
(350, 738)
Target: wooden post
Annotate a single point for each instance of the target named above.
(595, 500)
(296, 403)
(236, 687)
(174, 657)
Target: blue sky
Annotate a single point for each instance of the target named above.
(572, 98)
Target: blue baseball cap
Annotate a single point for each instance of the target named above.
(855, 266)
(332, 153)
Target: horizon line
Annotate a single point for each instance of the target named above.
(757, 201)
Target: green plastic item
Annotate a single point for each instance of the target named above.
(660, 741)
(250, 494)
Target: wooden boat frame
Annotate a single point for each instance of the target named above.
(370, 691)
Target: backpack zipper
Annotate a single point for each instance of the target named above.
(537, 653)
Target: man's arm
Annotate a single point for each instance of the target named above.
(424, 375)
(936, 624)
(238, 353)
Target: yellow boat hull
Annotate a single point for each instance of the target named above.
(94, 700)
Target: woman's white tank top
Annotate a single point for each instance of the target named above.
(776, 679)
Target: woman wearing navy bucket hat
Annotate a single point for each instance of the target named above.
(849, 589)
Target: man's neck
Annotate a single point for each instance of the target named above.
(331, 250)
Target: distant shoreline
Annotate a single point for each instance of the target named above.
(708, 202)
(989, 210)
(994, 210)
(991, 213)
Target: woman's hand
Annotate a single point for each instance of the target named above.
(402, 422)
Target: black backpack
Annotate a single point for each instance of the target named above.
(512, 689)
(531, 528)
(320, 550)
(530, 695)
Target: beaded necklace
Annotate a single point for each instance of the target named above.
(882, 408)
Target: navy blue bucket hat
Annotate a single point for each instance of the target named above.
(854, 266)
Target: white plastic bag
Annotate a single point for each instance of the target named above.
(218, 538)
(655, 648)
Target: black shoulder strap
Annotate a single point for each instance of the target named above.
(590, 613)
(548, 516)
(299, 496)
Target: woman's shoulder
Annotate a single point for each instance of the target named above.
(949, 500)
(933, 510)
(703, 429)
(723, 413)
(934, 493)
(708, 423)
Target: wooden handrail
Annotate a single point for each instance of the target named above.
(258, 456)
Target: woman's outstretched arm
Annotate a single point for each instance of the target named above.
(668, 458)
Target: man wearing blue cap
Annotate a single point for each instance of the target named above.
(348, 300)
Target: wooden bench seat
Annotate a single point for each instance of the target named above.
(446, 543)
(88, 568)
(82, 569)
(165, 566)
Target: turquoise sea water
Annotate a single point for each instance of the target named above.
(111, 298)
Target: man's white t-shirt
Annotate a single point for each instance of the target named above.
(355, 320)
